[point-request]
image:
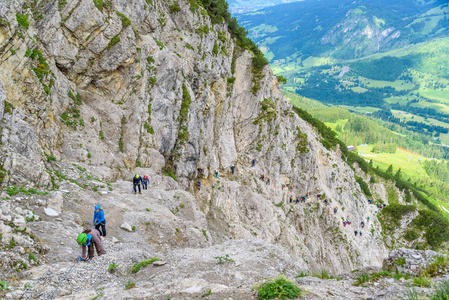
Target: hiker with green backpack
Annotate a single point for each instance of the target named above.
(89, 239)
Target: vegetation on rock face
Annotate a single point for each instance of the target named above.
(98, 4)
(114, 41)
(23, 21)
(137, 266)
(125, 21)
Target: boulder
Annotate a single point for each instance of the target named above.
(20, 223)
(51, 212)
(56, 202)
(126, 226)
(159, 263)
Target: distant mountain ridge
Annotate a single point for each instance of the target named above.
(344, 29)
(242, 6)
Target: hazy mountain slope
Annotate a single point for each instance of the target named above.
(344, 29)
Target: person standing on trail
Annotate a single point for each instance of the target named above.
(198, 184)
(291, 198)
(268, 181)
(145, 182)
(363, 224)
(325, 202)
(99, 220)
(232, 169)
(89, 239)
(216, 174)
(335, 210)
(254, 162)
(262, 177)
(360, 233)
(136, 183)
(297, 199)
(356, 232)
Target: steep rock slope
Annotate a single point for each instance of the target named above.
(108, 90)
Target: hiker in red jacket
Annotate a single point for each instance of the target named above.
(145, 182)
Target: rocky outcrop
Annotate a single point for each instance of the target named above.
(410, 261)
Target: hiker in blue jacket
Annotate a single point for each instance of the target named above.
(99, 220)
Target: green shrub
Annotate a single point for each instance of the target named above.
(435, 226)
(174, 8)
(4, 286)
(394, 212)
(150, 59)
(363, 185)
(136, 267)
(411, 235)
(279, 287)
(112, 268)
(23, 21)
(281, 79)
(259, 61)
(114, 41)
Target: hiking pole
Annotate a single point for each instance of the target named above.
(52, 294)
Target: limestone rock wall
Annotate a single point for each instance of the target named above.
(137, 84)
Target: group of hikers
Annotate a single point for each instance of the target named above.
(267, 182)
(90, 240)
(137, 180)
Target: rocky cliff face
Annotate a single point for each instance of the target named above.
(93, 92)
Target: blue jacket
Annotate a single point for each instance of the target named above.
(99, 217)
